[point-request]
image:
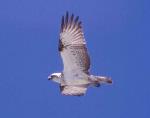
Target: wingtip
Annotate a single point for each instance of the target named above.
(67, 13)
(70, 21)
(62, 23)
(76, 19)
(66, 18)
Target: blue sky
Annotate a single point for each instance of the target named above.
(118, 40)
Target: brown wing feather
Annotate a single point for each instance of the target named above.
(82, 58)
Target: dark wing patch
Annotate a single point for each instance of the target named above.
(61, 46)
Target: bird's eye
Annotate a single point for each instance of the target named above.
(52, 76)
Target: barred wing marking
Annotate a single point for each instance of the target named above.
(72, 45)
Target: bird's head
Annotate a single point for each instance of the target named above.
(55, 77)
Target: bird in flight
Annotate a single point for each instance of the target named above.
(75, 78)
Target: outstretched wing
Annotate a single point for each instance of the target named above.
(72, 45)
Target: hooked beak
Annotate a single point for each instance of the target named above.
(49, 77)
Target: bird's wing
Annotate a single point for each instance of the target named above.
(72, 45)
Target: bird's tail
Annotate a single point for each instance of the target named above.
(104, 79)
(98, 80)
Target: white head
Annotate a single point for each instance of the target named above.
(56, 77)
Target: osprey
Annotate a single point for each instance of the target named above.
(75, 78)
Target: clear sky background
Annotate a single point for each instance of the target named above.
(118, 40)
